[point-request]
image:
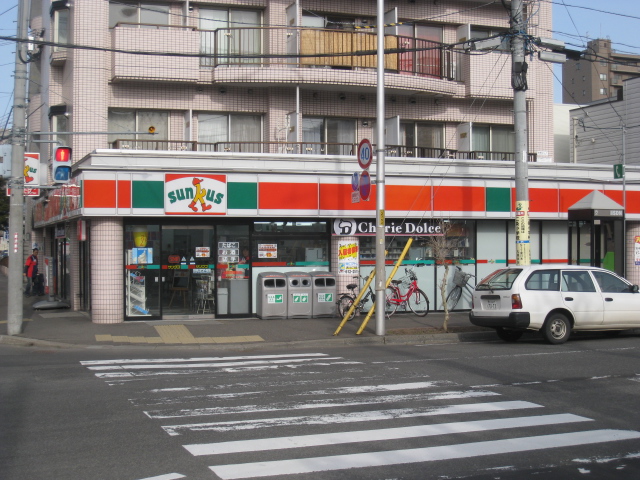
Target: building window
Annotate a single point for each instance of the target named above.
(424, 56)
(60, 18)
(220, 132)
(603, 91)
(494, 142)
(603, 63)
(426, 138)
(59, 118)
(138, 14)
(122, 121)
(481, 33)
(584, 93)
(603, 77)
(230, 36)
(332, 136)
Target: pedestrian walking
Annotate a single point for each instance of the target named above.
(31, 272)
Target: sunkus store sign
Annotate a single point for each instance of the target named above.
(351, 226)
(186, 194)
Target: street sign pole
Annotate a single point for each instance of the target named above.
(380, 181)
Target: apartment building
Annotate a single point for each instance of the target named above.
(599, 75)
(256, 110)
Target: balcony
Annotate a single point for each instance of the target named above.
(310, 148)
(191, 50)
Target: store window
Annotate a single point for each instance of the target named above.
(219, 132)
(142, 267)
(291, 243)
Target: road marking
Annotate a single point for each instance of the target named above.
(196, 412)
(126, 361)
(416, 455)
(177, 334)
(168, 476)
(224, 364)
(352, 417)
(302, 441)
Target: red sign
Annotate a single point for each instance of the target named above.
(365, 154)
(28, 192)
(173, 259)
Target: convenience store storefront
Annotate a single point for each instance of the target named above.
(154, 237)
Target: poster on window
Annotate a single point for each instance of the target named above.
(203, 252)
(267, 250)
(348, 263)
(636, 250)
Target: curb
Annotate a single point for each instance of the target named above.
(419, 339)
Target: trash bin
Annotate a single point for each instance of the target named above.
(325, 292)
(271, 295)
(299, 295)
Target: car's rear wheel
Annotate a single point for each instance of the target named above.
(556, 329)
(509, 335)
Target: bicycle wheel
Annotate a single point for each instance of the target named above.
(454, 297)
(418, 303)
(391, 301)
(344, 304)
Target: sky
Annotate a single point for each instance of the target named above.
(574, 22)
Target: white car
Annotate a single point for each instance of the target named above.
(554, 299)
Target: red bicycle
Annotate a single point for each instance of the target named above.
(415, 298)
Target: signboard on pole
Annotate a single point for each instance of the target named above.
(365, 154)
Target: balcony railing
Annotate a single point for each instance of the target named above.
(310, 148)
(321, 48)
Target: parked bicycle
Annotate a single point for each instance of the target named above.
(460, 280)
(347, 299)
(413, 297)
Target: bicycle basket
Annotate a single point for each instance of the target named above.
(461, 278)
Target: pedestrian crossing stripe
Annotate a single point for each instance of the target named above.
(417, 455)
(300, 441)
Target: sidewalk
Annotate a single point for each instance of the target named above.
(65, 328)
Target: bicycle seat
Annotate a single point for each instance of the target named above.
(396, 282)
(352, 286)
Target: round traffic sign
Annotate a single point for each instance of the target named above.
(365, 154)
(355, 181)
(365, 185)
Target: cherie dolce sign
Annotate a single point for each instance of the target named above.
(351, 226)
(189, 194)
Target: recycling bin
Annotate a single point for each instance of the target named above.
(271, 295)
(325, 291)
(299, 295)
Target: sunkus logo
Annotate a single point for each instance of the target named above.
(195, 194)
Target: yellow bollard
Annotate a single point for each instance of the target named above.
(393, 272)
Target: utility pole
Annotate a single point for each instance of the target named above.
(381, 274)
(519, 83)
(16, 182)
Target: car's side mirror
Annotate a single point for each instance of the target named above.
(634, 288)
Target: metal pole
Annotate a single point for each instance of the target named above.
(380, 182)
(519, 84)
(16, 213)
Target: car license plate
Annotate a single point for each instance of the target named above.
(492, 305)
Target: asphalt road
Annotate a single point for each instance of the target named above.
(478, 411)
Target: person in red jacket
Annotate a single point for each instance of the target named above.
(31, 272)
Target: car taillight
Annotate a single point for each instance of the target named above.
(516, 302)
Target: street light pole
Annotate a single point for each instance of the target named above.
(381, 275)
(16, 182)
(519, 84)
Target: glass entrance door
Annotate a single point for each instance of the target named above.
(188, 271)
(233, 270)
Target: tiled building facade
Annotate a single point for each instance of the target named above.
(266, 101)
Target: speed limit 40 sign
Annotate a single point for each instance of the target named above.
(365, 154)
